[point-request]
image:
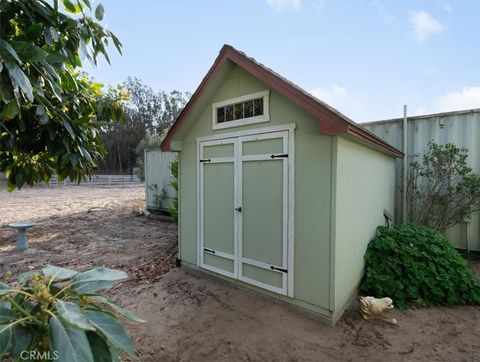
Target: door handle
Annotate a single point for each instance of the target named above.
(239, 209)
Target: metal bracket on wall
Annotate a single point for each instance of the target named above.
(279, 269)
(285, 155)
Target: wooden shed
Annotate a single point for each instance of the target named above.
(278, 191)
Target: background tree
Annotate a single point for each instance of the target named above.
(147, 112)
(51, 114)
(442, 190)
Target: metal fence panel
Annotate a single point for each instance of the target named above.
(461, 128)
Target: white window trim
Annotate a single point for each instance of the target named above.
(265, 117)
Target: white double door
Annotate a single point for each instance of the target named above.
(244, 208)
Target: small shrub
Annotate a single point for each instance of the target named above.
(57, 315)
(414, 265)
(159, 197)
(441, 189)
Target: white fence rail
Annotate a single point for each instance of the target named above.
(98, 180)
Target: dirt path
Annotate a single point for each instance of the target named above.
(192, 318)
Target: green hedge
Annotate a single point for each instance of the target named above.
(414, 265)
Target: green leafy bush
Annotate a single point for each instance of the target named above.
(415, 265)
(56, 315)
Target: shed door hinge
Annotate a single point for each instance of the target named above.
(209, 250)
(205, 160)
(285, 155)
(279, 269)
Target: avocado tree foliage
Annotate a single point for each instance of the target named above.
(51, 113)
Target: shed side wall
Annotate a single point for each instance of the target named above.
(365, 186)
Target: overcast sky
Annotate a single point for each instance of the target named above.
(366, 58)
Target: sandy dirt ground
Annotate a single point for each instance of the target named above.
(195, 318)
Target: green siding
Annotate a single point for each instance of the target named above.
(219, 207)
(188, 203)
(365, 186)
(218, 151)
(218, 262)
(274, 145)
(262, 275)
(263, 211)
(312, 185)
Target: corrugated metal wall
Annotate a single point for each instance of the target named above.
(157, 172)
(461, 128)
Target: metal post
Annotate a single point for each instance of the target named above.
(109, 180)
(405, 165)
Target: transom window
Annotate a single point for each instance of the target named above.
(252, 108)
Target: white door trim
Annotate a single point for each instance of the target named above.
(285, 241)
(289, 195)
(255, 131)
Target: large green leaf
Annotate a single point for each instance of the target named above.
(100, 350)
(4, 288)
(5, 338)
(6, 89)
(117, 43)
(58, 273)
(74, 8)
(112, 330)
(6, 314)
(71, 344)
(99, 274)
(68, 127)
(19, 79)
(10, 110)
(73, 315)
(99, 12)
(21, 340)
(29, 52)
(90, 287)
(34, 31)
(117, 308)
(95, 279)
(24, 277)
(56, 58)
(7, 51)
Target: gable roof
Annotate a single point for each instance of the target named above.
(332, 122)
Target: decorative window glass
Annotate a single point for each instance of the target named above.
(252, 108)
